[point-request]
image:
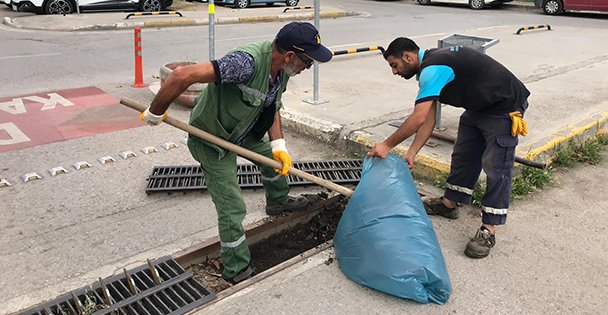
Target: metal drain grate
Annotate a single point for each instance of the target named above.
(161, 287)
(182, 178)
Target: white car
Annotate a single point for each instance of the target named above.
(69, 6)
(473, 4)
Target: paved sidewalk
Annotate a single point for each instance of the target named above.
(223, 15)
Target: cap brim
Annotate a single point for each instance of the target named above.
(321, 54)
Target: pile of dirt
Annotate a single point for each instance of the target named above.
(280, 247)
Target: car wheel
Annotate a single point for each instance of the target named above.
(291, 3)
(552, 7)
(241, 4)
(476, 4)
(59, 7)
(149, 5)
(424, 2)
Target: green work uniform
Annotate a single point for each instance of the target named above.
(229, 111)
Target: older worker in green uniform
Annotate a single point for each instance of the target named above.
(242, 105)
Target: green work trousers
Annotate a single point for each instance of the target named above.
(221, 179)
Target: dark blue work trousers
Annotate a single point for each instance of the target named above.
(484, 141)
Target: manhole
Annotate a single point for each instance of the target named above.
(160, 287)
(190, 177)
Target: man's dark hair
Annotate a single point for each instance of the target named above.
(400, 45)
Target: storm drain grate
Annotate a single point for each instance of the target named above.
(161, 287)
(182, 178)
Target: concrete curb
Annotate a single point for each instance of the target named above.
(189, 22)
(432, 167)
(579, 132)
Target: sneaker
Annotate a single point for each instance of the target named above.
(243, 275)
(435, 206)
(290, 204)
(480, 245)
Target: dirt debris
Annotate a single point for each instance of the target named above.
(280, 247)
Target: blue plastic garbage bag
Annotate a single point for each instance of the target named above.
(385, 239)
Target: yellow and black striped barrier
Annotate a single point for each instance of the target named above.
(298, 8)
(357, 50)
(527, 28)
(153, 13)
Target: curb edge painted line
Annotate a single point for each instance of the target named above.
(192, 22)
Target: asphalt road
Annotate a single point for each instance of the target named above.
(34, 61)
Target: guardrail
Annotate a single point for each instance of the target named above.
(357, 50)
(153, 13)
(527, 28)
(298, 8)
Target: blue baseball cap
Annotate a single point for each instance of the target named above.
(303, 37)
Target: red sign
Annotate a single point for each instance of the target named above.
(30, 120)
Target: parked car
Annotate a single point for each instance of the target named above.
(69, 6)
(553, 7)
(241, 4)
(473, 4)
(7, 2)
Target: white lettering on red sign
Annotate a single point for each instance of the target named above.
(13, 107)
(54, 98)
(17, 136)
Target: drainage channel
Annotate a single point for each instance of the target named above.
(275, 244)
(190, 177)
(191, 279)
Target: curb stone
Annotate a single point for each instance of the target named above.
(192, 22)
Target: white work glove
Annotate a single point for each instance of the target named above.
(152, 119)
(279, 153)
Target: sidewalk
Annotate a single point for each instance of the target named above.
(359, 110)
(116, 21)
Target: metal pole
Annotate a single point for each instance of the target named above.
(211, 10)
(315, 81)
(78, 7)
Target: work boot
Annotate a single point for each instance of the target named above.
(480, 245)
(290, 204)
(243, 275)
(435, 206)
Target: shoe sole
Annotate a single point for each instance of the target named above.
(431, 212)
(475, 255)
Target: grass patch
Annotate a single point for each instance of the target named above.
(530, 179)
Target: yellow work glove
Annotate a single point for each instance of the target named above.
(152, 119)
(279, 153)
(518, 125)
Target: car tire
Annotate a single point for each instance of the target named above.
(150, 5)
(241, 4)
(59, 7)
(476, 4)
(291, 3)
(424, 2)
(552, 7)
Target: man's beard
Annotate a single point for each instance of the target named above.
(290, 71)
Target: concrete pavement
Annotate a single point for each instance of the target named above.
(195, 14)
(64, 232)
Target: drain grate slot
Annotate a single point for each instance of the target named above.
(190, 177)
(177, 293)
